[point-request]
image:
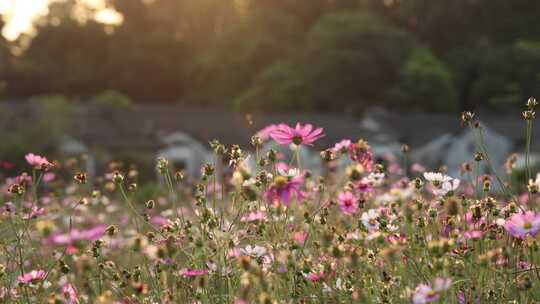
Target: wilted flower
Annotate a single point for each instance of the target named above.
(534, 185)
(361, 153)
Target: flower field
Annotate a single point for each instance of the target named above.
(369, 230)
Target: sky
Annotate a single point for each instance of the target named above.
(19, 14)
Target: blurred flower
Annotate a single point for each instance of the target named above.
(37, 161)
(284, 188)
(253, 251)
(442, 184)
(193, 272)
(342, 146)
(522, 224)
(70, 293)
(369, 219)
(32, 276)
(300, 237)
(75, 235)
(264, 134)
(48, 177)
(254, 216)
(348, 203)
(425, 293)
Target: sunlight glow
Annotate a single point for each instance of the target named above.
(20, 14)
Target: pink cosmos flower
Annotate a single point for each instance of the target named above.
(522, 224)
(70, 294)
(348, 203)
(284, 188)
(463, 299)
(417, 168)
(160, 221)
(300, 237)
(48, 177)
(300, 135)
(34, 212)
(315, 277)
(264, 134)
(425, 293)
(342, 146)
(33, 276)
(193, 272)
(473, 234)
(36, 161)
(254, 216)
(76, 235)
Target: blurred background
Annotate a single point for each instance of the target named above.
(131, 79)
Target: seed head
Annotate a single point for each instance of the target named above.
(467, 117)
(117, 178)
(531, 103)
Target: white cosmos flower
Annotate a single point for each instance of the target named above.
(376, 179)
(442, 184)
(254, 251)
(436, 177)
(369, 219)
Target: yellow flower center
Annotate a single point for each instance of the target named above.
(280, 181)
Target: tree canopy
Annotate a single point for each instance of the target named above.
(313, 55)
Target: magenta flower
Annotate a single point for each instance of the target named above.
(300, 135)
(284, 188)
(316, 276)
(348, 203)
(36, 161)
(33, 276)
(522, 224)
(193, 272)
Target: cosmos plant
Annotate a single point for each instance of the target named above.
(368, 230)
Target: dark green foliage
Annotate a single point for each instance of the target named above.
(39, 129)
(316, 55)
(424, 82)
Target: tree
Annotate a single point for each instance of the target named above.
(424, 83)
(348, 62)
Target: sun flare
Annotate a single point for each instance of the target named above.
(19, 15)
